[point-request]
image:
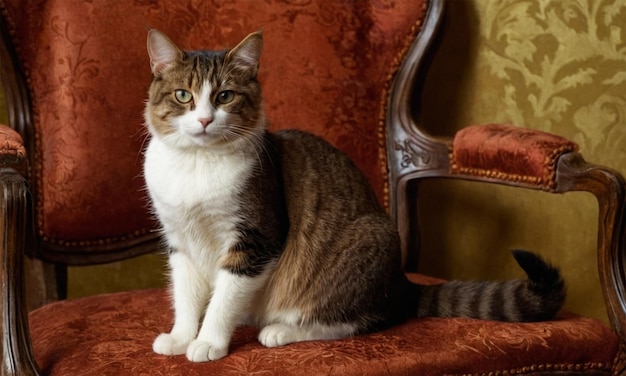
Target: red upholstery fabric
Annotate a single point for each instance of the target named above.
(113, 334)
(507, 152)
(324, 69)
(11, 146)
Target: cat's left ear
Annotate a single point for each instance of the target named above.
(248, 53)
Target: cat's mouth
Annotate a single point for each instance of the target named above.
(208, 137)
(203, 137)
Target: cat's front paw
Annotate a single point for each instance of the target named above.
(277, 335)
(203, 351)
(168, 344)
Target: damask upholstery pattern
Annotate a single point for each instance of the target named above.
(113, 336)
(11, 146)
(509, 153)
(323, 70)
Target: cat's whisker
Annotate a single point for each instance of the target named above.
(145, 137)
(248, 136)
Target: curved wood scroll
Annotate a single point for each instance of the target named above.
(608, 186)
(411, 153)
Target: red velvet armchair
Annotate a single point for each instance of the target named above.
(75, 75)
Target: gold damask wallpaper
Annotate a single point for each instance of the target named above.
(554, 65)
(559, 65)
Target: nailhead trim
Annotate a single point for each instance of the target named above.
(546, 182)
(384, 103)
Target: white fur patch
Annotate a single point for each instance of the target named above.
(282, 334)
(191, 293)
(231, 298)
(194, 192)
(194, 195)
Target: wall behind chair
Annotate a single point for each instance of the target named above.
(557, 66)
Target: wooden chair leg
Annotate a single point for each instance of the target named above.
(608, 188)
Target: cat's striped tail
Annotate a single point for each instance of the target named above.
(537, 298)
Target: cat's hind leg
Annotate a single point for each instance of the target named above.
(190, 293)
(282, 334)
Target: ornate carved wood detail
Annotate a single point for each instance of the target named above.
(412, 154)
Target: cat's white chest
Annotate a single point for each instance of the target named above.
(188, 178)
(194, 194)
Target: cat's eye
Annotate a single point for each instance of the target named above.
(225, 97)
(183, 96)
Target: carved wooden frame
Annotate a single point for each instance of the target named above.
(412, 155)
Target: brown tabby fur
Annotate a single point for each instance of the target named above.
(310, 218)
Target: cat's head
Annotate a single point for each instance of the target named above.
(208, 99)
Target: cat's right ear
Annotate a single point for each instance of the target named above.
(163, 52)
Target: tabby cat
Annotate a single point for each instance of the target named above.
(281, 230)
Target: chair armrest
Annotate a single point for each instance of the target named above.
(12, 149)
(526, 158)
(17, 356)
(491, 153)
(609, 188)
(508, 154)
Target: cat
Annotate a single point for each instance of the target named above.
(281, 230)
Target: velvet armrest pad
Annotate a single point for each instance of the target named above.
(509, 153)
(12, 149)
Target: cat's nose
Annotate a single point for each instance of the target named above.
(205, 121)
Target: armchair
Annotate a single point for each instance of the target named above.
(75, 75)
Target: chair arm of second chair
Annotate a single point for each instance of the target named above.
(12, 151)
(524, 158)
(518, 156)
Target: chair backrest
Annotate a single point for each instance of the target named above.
(327, 68)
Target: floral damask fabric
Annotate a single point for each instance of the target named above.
(509, 153)
(113, 336)
(324, 68)
(11, 147)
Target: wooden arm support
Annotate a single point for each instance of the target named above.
(573, 173)
(17, 354)
(608, 186)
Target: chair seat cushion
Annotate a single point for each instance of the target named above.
(510, 153)
(112, 335)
